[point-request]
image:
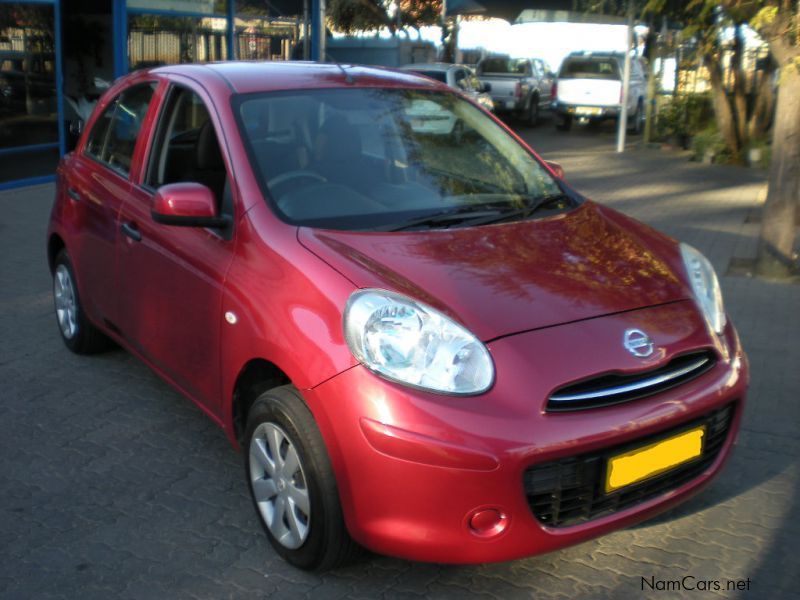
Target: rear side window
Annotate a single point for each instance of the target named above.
(113, 138)
(590, 68)
(504, 66)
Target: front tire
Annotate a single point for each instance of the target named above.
(77, 332)
(292, 483)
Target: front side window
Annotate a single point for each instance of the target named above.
(113, 137)
(373, 158)
(187, 148)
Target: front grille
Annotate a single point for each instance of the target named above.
(571, 490)
(613, 388)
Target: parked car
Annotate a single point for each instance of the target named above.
(458, 77)
(519, 86)
(424, 341)
(589, 88)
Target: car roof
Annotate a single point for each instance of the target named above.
(433, 67)
(262, 76)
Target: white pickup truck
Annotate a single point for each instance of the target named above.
(522, 86)
(589, 88)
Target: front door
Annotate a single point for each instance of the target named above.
(172, 277)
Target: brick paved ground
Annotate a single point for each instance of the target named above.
(113, 486)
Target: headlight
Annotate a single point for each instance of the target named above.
(413, 344)
(705, 285)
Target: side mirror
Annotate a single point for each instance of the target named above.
(187, 204)
(557, 169)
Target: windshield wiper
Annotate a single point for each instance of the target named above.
(452, 215)
(522, 212)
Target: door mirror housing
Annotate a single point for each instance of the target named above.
(187, 204)
(557, 169)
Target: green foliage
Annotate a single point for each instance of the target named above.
(709, 141)
(765, 149)
(351, 16)
(684, 116)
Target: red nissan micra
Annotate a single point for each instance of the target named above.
(423, 339)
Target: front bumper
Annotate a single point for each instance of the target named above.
(412, 467)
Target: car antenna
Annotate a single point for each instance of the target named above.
(347, 77)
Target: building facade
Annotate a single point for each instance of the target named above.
(58, 56)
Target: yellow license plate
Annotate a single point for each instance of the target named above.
(587, 110)
(639, 464)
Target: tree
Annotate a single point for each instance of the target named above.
(778, 23)
(351, 16)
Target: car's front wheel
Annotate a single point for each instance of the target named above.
(292, 483)
(78, 333)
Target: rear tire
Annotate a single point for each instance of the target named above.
(292, 483)
(77, 332)
(564, 122)
(533, 112)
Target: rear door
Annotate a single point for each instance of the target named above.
(97, 184)
(171, 291)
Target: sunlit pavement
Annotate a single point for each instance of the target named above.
(113, 486)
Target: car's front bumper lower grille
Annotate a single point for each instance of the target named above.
(571, 490)
(614, 388)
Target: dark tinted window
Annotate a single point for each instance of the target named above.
(437, 75)
(590, 68)
(505, 66)
(114, 136)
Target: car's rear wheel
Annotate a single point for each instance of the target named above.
(292, 483)
(78, 333)
(533, 112)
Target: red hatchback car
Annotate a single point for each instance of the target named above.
(423, 339)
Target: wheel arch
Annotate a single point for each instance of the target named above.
(255, 377)
(54, 245)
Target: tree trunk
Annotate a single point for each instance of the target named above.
(739, 91)
(778, 229)
(726, 120)
(764, 103)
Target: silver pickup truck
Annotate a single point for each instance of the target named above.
(522, 86)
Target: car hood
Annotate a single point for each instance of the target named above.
(506, 278)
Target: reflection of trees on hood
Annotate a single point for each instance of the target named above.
(583, 256)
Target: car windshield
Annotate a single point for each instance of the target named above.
(590, 68)
(387, 158)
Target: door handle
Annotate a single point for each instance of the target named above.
(131, 231)
(73, 193)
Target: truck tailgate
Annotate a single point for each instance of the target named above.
(503, 87)
(590, 92)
